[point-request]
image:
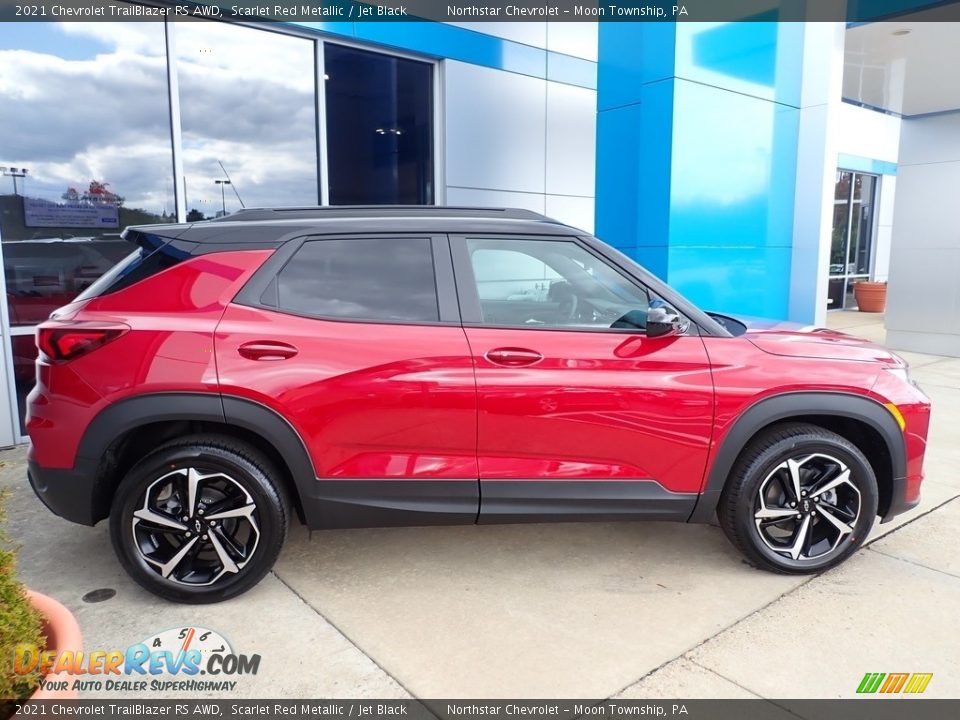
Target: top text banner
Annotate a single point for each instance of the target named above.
(490, 11)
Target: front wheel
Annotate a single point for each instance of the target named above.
(800, 499)
(200, 520)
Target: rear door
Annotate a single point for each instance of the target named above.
(581, 414)
(357, 343)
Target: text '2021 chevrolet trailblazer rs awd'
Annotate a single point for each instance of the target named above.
(361, 367)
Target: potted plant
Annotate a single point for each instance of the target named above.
(871, 296)
(34, 619)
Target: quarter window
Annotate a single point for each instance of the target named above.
(388, 280)
(554, 284)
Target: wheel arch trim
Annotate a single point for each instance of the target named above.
(785, 406)
(131, 413)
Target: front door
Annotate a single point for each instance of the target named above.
(580, 413)
(852, 241)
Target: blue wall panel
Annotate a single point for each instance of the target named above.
(456, 43)
(866, 165)
(696, 171)
(739, 280)
(632, 55)
(733, 169)
(634, 175)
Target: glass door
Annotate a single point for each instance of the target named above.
(852, 244)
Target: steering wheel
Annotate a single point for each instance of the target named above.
(568, 308)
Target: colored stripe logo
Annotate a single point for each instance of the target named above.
(889, 683)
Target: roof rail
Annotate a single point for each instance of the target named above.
(349, 211)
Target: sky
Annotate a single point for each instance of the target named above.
(85, 101)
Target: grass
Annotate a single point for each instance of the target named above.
(19, 622)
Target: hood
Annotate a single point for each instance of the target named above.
(795, 340)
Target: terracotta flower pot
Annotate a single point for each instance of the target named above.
(871, 296)
(63, 633)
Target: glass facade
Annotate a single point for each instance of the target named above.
(91, 138)
(247, 118)
(77, 178)
(379, 128)
(852, 240)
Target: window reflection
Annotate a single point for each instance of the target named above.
(85, 141)
(86, 127)
(379, 128)
(248, 116)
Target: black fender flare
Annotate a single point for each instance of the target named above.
(790, 405)
(131, 413)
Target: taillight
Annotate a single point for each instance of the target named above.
(62, 344)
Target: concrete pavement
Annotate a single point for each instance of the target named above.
(594, 610)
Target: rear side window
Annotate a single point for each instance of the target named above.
(388, 279)
(153, 255)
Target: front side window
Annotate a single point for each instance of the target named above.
(555, 284)
(390, 279)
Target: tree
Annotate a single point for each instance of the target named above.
(98, 193)
(195, 216)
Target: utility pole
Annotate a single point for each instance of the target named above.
(15, 173)
(223, 197)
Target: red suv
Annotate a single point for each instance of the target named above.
(440, 366)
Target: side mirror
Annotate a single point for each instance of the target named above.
(664, 321)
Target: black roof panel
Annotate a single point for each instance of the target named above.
(269, 227)
(373, 211)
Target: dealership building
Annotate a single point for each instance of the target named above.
(761, 168)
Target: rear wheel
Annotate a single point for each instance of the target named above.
(199, 520)
(800, 499)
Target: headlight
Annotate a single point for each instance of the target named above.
(901, 372)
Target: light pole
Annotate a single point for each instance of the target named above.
(15, 173)
(223, 197)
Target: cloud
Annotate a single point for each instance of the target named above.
(246, 99)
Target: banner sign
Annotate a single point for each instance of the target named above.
(39, 213)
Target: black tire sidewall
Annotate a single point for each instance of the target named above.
(271, 518)
(861, 473)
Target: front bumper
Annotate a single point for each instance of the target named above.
(905, 497)
(67, 493)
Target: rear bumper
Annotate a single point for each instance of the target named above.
(67, 493)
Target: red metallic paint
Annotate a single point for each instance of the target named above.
(369, 400)
(432, 401)
(156, 355)
(915, 409)
(762, 364)
(598, 406)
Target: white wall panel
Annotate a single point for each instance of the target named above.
(867, 133)
(925, 195)
(571, 139)
(923, 303)
(938, 141)
(881, 253)
(575, 211)
(573, 38)
(472, 197)
(888, 187)
(495, 124)
(816, 171)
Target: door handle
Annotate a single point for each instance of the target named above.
(267, 350)
(513, 357)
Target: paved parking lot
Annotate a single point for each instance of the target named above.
(595, 610)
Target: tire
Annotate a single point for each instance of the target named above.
(836, 481)
(227, 543)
